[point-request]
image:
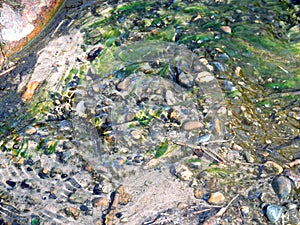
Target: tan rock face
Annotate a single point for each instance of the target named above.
(21, 21)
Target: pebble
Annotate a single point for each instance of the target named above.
(273, 167)
(204, 77)
(100, 202)
(31, 130)
(169, 97)
(186, 80)
(245, 210)
(124, 220)
(219, 66)
(98, 189)
(282, 187)
(185, 175)
(73, 212)
(226, 29)
(216, 198)
(124, 84)
(136, 134)
(192, 125)
(273, 213)
(79, 196)
(198, 193)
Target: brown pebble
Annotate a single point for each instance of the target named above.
(192, 125)
(31, 130)
(198, 193)
(181, 205)
(216, 198)
(100, 202)
(73, 212)
(124, 197)
(226, 29)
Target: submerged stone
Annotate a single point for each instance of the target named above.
(282, 187)
(273, 213)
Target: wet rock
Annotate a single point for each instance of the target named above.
(282, 187)
(30, 131)
(226, 29)
(184, 174)
(100, 202)
(11, 183)
(216, 198)
(72, 212)
(124, 197)
(186, 80)
(198, 193)
(273, 167)
(192, 125)
(124, 84)
(273, 213)
(219, 66)
(98, 189)
(204, 77)
(245, 210)
(79, 196)
(169, 97)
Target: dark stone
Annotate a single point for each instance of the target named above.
(52, 196)
(11, 183)
(64, 175)
(24, 184)
(84, 208)
(282, 187)
(98, 189)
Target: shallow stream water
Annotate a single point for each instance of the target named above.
(160, 97)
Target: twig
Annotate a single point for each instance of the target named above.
(207, 151)
(223, 210)
(7, 71)
(201, 211)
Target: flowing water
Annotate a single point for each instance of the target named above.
(140, 93)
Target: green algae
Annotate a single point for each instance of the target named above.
(161, 150)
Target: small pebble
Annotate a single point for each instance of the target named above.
(245, 210)
(100, 202)
(124, 220)
(192, 125)
(185, 175)
(31, 130)
(226, 29)
(98, 189)
(11, 183)
(216, 198)
(73, 212)
(273, 213)
(79, 196)
(198, 193)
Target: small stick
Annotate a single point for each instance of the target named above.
(7, 71)
(223, 210)
(205, 150)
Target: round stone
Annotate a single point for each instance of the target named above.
(216, 198)
(273, 213)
